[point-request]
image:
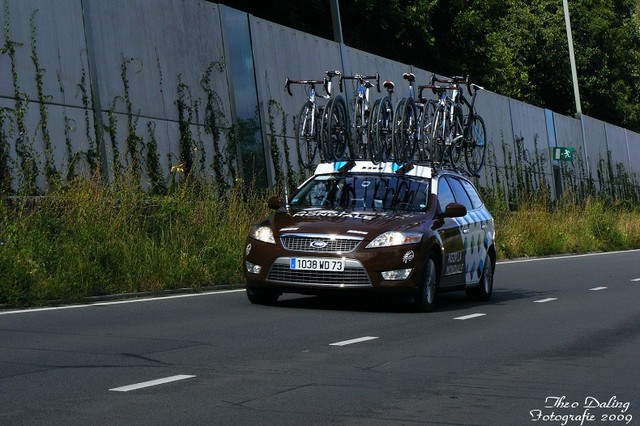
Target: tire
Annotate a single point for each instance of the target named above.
(262, 296)
(409, 131)
(384, 130)
(482, 292)
(396, 139)
(306, 137)
(358, 132)
(334, 129)
(372, 128)
(326, 147)
(425, 297)
(425, 125)
(475, 147)
(439, 132)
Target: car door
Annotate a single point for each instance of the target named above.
(451, 235)
(472, 230)
(482, 234)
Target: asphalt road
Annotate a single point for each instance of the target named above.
(559, 343)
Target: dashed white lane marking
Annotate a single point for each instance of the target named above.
(466, 317)
(352, 341)
(598, 288)
(150, 383)
(635, 280)
(550, 299)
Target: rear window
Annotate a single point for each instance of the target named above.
(364, 191)
(461, 195)
(473, 194)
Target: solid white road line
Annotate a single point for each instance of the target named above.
(120, 302)
(352, 341)
(151, 383)
(550, 299)
(597, 288)
(466, 317)
(562, 257)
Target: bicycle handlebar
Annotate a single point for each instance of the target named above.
(361, 79)
(472, 88)
(326, 82)
(475, 88)
(433, 87)
(288, 82)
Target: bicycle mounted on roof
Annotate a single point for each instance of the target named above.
(422, 130)
(453, 132)
(318, 128)
(361, 145)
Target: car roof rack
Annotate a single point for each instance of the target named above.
(413, 168)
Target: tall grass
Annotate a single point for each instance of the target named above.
(86, 239)
(538, 229)
(89, 239)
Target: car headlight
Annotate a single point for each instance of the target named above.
(262, 233)
(395, 238)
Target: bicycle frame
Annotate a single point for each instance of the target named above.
(470, 105)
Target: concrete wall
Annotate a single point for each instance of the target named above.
(143, 57)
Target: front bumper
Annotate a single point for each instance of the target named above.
(361, 273)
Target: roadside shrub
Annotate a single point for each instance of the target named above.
(86, 239)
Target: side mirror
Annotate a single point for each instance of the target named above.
(454, 210)
(275, 202)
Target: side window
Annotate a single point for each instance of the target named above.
(459, 193)
(473, 194)
(445, 195)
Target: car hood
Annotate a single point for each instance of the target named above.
(365, 223)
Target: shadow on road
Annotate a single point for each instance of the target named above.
(375, 303)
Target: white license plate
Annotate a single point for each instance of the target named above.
(316, 264)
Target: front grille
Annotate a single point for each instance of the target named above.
(319, 244)
(353, 275)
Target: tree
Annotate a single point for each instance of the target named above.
(607, 35)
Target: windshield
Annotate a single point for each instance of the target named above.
(365, 191)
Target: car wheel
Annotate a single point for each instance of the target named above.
(261, 296)
(425, 298)
(484, 289)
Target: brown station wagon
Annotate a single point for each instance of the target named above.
(358, 226)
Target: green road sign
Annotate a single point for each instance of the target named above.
(563, 153)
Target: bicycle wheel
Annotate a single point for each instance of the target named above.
(396, 132)
(439, 134)
(408, 132)
(384, 130)
(413, 131)
(357, 148)
(334, 129)
(306, 136)
(373, 148)
(475, 144)
(425, 124)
